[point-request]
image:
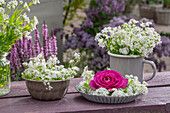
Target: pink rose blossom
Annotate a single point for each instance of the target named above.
(108, 79)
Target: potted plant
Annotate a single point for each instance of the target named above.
(14, 25)
(109, 86)
(163, 14)
(147, 8)
(127, 45)
(47, 80)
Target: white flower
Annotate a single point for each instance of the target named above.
(75, 68)
(142, 25)
(87, 75)
(5, 16)
(2, 10)
(101, 91)
(148, 23)
(101, 43)
(77, 56)
(35, 20)
(21, 2)
(118, 93)
(133, 21)
(71, 61)
(26, 18)
(26, 6)
(2, 2)
(27, 35)
(124, 51)
(36, 1)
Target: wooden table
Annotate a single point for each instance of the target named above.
(156, 101)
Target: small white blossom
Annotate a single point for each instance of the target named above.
(2, 2)
(87, 75)
(2, 10)
(36, 2)
(27, 35)
(77, 56)
(26, 18)
(26, 6)
(101, 92)
(21, 2)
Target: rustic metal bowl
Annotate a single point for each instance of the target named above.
(38, 90)
(107, 99)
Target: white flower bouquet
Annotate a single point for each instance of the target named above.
(132, 38)
(111, 85)
(47, 71)
(14, 24)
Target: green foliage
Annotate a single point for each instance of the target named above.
(71, 9)
(12, 26)
(154, 1)
(166, 3)
(4, 74)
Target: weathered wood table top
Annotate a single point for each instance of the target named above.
(156, 101)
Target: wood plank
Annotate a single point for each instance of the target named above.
(155, 101)
(18, 89)
(160, 80)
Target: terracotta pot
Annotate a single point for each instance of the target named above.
(38, 90)
(126, 64)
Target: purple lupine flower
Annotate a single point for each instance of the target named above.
(37, 42)
(54, 44)
(50, 46)
(45, 37)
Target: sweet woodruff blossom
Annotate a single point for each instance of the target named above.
(129, 38)
(133, 86)
(15, 25)
(47, 71)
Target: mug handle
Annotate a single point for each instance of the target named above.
(153, 66)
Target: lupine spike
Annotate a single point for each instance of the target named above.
(25, 49)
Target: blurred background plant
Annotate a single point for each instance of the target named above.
(152, 1)
(98, 14)
(104, 13)
(70, 9)
(166, 3)
(129, 6)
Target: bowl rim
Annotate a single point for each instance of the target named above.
(42, 81)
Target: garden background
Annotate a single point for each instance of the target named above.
(75, 23)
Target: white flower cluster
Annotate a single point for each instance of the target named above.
(18, 18)
(134, 87)
(47, 71)
(132, 38)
